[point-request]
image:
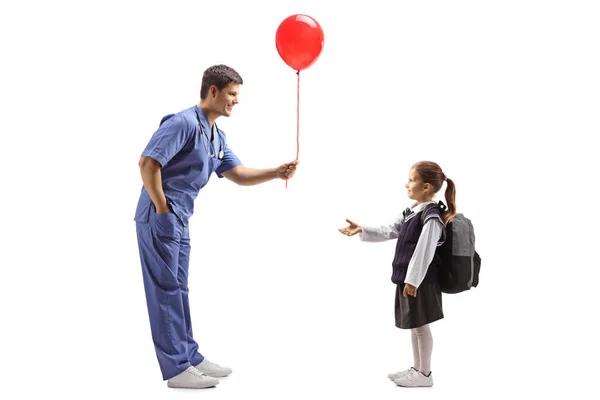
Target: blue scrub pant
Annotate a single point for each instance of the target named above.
(164, 245)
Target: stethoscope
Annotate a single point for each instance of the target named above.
(204, 134)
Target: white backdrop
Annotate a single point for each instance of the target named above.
(504, 95)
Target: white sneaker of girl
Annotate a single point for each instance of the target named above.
(415, 379)
(400, 374)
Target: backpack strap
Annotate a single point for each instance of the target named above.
(442, 208)
(439, 204)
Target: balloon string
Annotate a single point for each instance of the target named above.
(298, 117)
(297, 120)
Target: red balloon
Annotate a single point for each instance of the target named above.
(299, 41)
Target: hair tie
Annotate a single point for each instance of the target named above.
(444, 177)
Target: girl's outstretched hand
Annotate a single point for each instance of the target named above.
(351, 229)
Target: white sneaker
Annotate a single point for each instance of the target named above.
(191, 378)
(211, 369)
(400, 374)
(415, 379)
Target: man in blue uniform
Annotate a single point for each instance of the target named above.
(177, 162)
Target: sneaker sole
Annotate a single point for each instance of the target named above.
(180, 386)
(416, 386)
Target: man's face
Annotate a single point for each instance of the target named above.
(224, 100)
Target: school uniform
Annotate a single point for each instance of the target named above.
(415, 262)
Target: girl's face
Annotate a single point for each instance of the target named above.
(417, 190)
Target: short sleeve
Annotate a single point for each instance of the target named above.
(229, 161)
(168, 140)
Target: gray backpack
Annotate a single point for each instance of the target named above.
(460, 263)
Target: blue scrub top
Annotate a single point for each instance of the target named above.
(181, 147)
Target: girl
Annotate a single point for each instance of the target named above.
(419, 230)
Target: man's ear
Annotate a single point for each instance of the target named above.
(213, 91)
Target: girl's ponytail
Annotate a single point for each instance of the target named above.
(450, 201)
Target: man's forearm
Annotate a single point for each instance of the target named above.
(252, 176)
(152, 179)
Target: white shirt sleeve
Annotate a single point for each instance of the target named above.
(424, 252)
(381, 233)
